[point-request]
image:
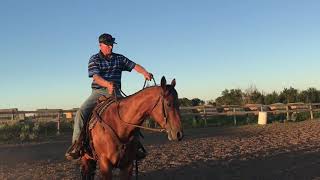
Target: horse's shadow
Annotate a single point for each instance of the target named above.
(293, 165)
(195, 133)
(296, 164)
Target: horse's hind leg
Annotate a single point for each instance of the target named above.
(88, 168)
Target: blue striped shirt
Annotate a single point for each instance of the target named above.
(109, 68)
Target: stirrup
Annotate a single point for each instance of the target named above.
(73, 152)
(141, 152)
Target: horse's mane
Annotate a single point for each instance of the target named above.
(171, 90)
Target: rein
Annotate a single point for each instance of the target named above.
(139, 126)
(145, 81)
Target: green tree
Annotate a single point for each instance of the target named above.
(271, 98)
(311, 95)
(197, 102)
(253, 96)
(289, 95)
(232, 97)
(185, 102)
(212, 103)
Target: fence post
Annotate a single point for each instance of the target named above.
(195, 114)
(311, 113)
(288, 115)
(58, 124)
(205, 116)
(234, 117)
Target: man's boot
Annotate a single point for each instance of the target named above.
(141, 152)
(73, 151)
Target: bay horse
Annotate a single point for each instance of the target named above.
(111, 137)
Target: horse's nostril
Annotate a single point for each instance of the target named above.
(179, 135)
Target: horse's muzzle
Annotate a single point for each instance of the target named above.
(179, 135)
(175, 135)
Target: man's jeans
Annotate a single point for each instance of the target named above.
(85, 110)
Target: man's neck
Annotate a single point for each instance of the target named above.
(105, 55)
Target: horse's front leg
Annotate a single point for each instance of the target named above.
(126, 172)
(88, 167)
(105, 169)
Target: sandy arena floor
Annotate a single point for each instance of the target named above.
(276, 151)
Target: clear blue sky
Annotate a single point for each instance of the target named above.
(207, 46)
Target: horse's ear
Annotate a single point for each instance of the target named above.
(163, 83)
(173, 83)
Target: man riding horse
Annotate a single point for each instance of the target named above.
(106, 69)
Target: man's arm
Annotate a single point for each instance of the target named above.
(102, 82)
(144, 72)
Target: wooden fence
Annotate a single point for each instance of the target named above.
(206, 111)
(203, 112)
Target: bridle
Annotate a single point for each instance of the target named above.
(165, 114)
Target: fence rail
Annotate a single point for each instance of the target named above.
(204, 112)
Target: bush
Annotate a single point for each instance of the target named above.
(66, 126)
(316, 114)
(302, 116)
(276, 117)
(8, 132)
(30, 131)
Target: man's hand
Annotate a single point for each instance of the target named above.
(99, 80)
(148, 76)
(110, 87)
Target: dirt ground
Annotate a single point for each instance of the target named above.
(275, 151)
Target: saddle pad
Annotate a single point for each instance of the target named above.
(102, 104)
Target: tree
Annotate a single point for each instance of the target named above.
(253, 96)
(185, 102)
(232, 97)
(211, 102)
(311, 95)
(196, 102)
(289, 95)
(271, 98)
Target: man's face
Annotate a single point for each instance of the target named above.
(106, 49)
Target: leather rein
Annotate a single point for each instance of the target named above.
(165, 117)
